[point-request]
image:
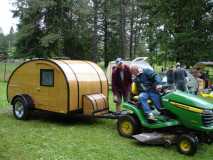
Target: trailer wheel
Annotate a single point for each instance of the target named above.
(127, 125)
(187, 144)
(21, 107)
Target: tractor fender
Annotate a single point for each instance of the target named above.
(137, 112)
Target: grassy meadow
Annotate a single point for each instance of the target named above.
(47, 136)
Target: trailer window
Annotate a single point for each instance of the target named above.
(47, 77)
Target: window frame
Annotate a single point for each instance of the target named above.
(41, 77)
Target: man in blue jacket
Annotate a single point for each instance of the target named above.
(148, 84)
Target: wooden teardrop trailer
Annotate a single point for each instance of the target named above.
(56, 85)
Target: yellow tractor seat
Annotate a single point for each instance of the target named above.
(135, 98)
(135, 92)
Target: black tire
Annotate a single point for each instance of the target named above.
(128, 125)
(210, 139)
(187, 144)
(21, 107)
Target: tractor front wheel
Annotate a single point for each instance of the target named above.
(127, 125)
(187, 144)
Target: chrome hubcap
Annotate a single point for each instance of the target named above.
(19, 109)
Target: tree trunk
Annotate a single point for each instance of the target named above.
(131, 30)
(123, 42)
(95, 30)
(136, 30)
(106, 36)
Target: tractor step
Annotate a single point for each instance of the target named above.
(111, 115)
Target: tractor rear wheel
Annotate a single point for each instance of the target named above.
(127, 125)
(187, 144)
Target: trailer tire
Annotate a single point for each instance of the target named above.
(127, 125)
(187, 144)
(21, 107)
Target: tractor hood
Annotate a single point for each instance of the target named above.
(188, 99)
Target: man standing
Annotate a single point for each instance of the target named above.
(170, 76)
(180, 78)
(121, 82)
(148, 84)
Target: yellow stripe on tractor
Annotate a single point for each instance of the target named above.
(186, 107)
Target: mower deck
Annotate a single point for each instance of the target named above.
(155, 138)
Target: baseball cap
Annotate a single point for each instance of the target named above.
(178, 64)
(119, 61)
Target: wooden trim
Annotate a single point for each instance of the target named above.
(53, 80)
(106, 104)
(96, 104)
(76, 81)
(100, 110)
(93, 105)
(100, 81)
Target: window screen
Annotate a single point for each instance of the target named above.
(46, 77)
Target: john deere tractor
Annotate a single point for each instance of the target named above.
(186, 121)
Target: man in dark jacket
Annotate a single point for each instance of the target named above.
(170, 76)
(121, 82)
(180, 78)
(148, 84)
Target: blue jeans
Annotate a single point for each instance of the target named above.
(144, 96)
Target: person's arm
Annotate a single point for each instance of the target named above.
(185, 74)
(114, 79)
(138, 84)
(154, 77)
(175, 76)
(129, 75)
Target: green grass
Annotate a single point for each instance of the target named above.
(48, 136)
(5, 72)
(3, 97)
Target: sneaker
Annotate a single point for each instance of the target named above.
(151, 117)
(116, 113)
(163, 111)
(156, 112)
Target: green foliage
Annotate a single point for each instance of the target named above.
(105, 29)
(53, 28)
(180, 29)
(3, 43)
(7, 42)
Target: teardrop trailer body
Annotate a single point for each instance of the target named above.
(61, 86)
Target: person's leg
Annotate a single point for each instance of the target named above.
(156, 99)
(126, 96)
(118, 107)
(181, 86)
(185, 86)
(143, 97)
(118, 100)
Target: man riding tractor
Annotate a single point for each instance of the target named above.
(148, 85)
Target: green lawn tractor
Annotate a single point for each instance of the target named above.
(186, 121)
